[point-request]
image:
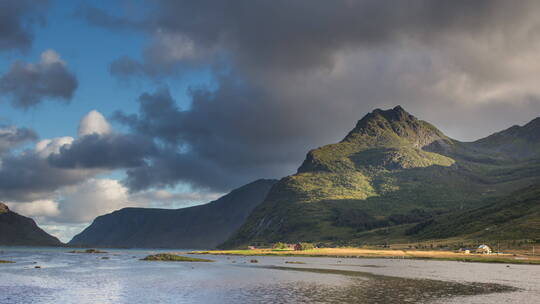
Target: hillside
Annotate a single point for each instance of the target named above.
(18, 230)
(513, 217)
(391, 169)
(203, 226)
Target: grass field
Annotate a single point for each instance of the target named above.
(375, 253)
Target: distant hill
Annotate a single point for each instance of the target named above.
(391, 170)
(18, 230)
(203, 226)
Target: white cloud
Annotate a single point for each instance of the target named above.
(64, 232)
(94, 123)
(72, 208)
(46, 147)
(94, 197)
(38, 208)
(50, 57)
(167, 199)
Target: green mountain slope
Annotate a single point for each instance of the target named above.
(391, 169)
(18, 230)
(513, 217)
(203, 226)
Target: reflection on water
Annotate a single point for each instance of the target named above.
(87, 278)
(369, 288)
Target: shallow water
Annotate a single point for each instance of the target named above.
(123, 278)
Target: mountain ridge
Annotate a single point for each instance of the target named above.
(202, 226)
(390, 169)
(18, 230)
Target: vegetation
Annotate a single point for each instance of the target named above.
(6, 262)
(306, 246)
(280, 246)
(378, 253)
(3, 208)
(167, 257)
(393, 178)
(91, 251)
(514, 217)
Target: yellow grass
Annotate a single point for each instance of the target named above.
(382, 253)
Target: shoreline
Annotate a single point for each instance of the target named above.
(383, 254)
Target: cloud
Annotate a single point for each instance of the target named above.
(207, 148)
(291, 76)
(46, 147)
(104, 151)
(167, 199)
(305, 33)
(11, 137)
(98, 147)
(38, 208)
(73, 208)
(55, 181)
(94, 197)
(83, 202)
(28, 84)
(94, 123)
(28, 177)
(17, 19)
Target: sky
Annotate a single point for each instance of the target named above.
(171, 103)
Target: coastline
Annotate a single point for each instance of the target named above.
(385, 254)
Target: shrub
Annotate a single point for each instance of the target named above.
(307, 246)
(280, 245)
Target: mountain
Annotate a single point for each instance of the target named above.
(513, 217)
(516, 142)
(18, 230)
(392, 169)
(203, 226)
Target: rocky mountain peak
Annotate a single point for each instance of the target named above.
(395, 114)
(397, 121)
(383, 119)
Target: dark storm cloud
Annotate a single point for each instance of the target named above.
(11, 137)
(17, 17)
(204, 144)
(300, 33)
(27, 177)
(293, 75)
(107, 151)
(28, 84)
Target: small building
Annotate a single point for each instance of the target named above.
(483, 249)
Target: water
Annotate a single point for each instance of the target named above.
(123, 278)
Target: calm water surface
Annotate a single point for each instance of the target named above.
(122, 278)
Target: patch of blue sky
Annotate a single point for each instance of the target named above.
(88, 50)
